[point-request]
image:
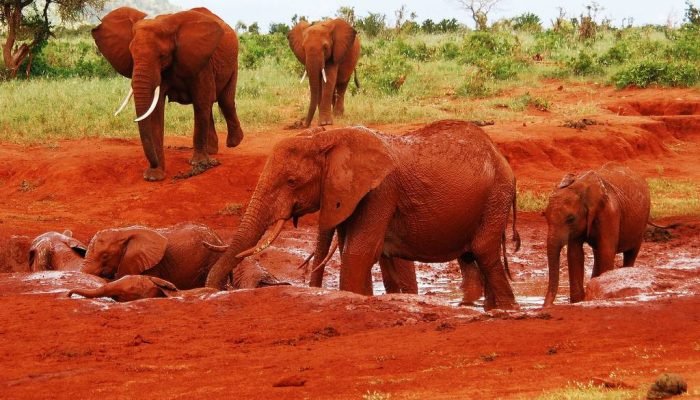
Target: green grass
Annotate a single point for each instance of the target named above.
(529, 201)
(672, 197)
(580, 391)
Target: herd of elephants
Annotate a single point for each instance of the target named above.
(443, 192)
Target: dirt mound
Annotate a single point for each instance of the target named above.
(655, 108)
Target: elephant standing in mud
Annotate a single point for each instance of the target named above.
(177, 254)
(607, 208)
(54, 251)
(440, 193)
(190, 57)
(329, 51)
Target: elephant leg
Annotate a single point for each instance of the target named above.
(339, 101)
(399, 275)
(630, 256)
(152, 132)
(202, 118)
(227, 104)
(575, 258)
(213, 139)
(472, 281)
(327, 95)
(497, 290)
(604, 255)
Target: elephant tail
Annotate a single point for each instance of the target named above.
(516, 235)
(505, 255)
(357, 81)
(671, 226)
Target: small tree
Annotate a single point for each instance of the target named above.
(373, 24)
(479, 10)
(346, 13)
(527, 22)
(254, 28)
(692, 13)
(279, 28)
(28, 27)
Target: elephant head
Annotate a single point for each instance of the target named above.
(56, 251)
(145, 50)
(113, 253)
(572, 209)
(320, 46)
(328, 172)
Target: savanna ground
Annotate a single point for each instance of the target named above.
(66, 163)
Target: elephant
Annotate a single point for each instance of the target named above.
(190, 57)
(329, 51)
(130, 288)
(436, 194)
(607, 208)
(176, 254)
(56, 251)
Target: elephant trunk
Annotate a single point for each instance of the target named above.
(252, 228)
(89, 293)
(554, 247)
(315, 86)
(144, 84)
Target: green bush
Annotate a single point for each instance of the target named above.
(686, 44)
(385, 74)
(475, 86)
(663, 73)
(584, 64)
(527, 22)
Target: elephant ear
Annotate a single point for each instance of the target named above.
(595, 199)
(196, 39)
(75, 244)
(566, 181)
(343, 39)
(356, 161)
(296, 40)
(143, 249)
(114, 35)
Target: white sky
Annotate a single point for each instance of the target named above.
(266, 11)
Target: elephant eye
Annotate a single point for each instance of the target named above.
(570, 219)
(291, 182)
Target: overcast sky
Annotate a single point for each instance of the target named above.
(266, 11)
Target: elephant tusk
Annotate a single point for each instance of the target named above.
(125, 102)
(302, 77)
(156, 97)
(255, 250)
(323, 263)
(323, 72)
(215, 247)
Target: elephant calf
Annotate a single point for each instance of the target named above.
(130, 288)
(607, 208)
(176, 254)
(56, 251)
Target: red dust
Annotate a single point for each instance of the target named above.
(295, 342)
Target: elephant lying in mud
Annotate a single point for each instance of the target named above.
(53, 251)
(440, 193)
(607, 208)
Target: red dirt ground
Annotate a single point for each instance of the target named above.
(325, 343)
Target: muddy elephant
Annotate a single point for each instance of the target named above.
(607, 208)
(130, 288)
(190, 57)
(440, 193)
(329, 51)
(56, 251)
(176, 254)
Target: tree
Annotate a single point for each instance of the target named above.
(479, 10)
(692, 13)
(279, 28)
(28, 26)
(347, 13)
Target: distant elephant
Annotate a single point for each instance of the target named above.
(130, 288)
(607, 208)
(192, 58)
(440, 193)
(329, 51)
(176, 254)
(56, 251)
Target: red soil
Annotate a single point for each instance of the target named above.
(329, 344)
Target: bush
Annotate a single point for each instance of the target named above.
(475, 85)
(686, 44)
(372, 25)
(527, 22)
(584, 64)
(664, 73)
(385, 74)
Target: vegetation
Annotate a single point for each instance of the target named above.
(580, 391)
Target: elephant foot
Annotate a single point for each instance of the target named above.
(212, 148)
(234, 138)
(198, 168)
(154, 174)
(466, 304)
(325, 122)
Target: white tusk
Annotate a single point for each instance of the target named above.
(302, 77)
(255, 250)
(323, 72)
(156, 97)
(125, 102)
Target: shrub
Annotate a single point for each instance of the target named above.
(584, 64)
(475, 85)
(527, 22)
(664, 73)
(686, 44)
(385, 74)
(372, 25)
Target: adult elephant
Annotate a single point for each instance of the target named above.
(329, 51)
(607, 208)
(177, 254)
(56, 251)
(440, 193)
(190, 57)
